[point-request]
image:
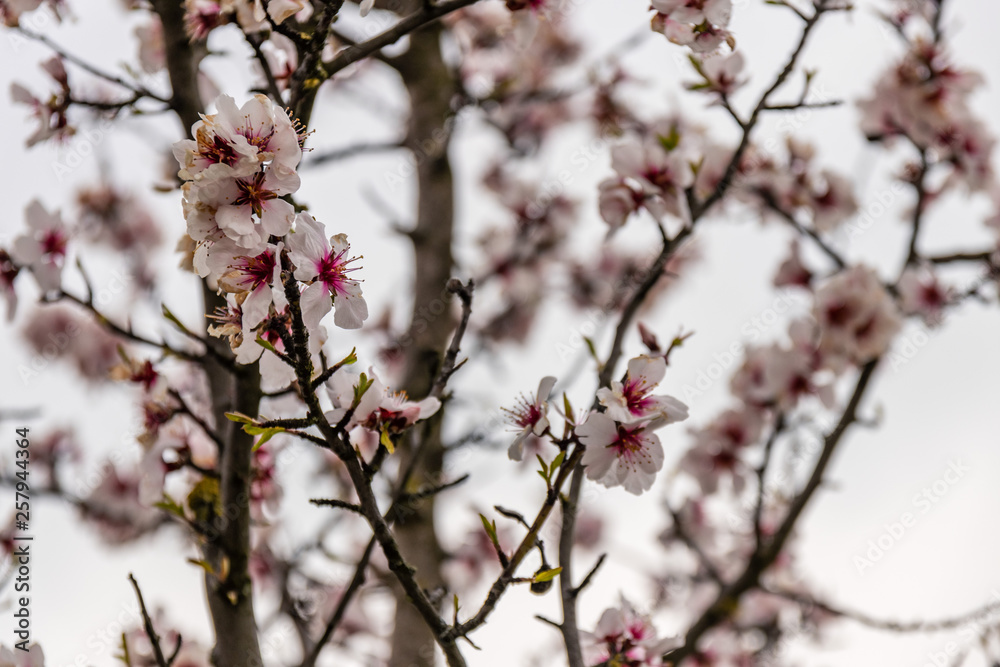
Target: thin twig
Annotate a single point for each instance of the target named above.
(147, 624)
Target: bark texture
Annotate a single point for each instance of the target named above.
(227, 547)
(431, 87)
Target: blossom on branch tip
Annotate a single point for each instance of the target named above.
(530, 417)
(632, 400)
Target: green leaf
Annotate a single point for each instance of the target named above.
(557, 461)
(670, 141)
(548, 575)
(567, 407)
(545, 467)
(266, 345)
(170, 505)
(491, 530)
(172, 318)
(264, 433)
(239, 418)
(386, 440)
(364, 384)
(592, 348)
(203, 564)
(352, 358)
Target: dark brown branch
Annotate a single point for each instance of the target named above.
(888, 625)
(139, 90)
(428, 14)
(449, 366)
(822, 6)
(779, 426)
(255, 41)
(147, 624)
(764, 556)
(352, 151)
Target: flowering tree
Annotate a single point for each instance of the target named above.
(386, 415)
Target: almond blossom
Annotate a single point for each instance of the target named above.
(34, 657)
(660, 174)
(247, 210)
(42, 250)
(379, 410)
(857, 318)
(921, 293)
(626, 455)
(626, 638)
(698, 24)
(632, 400)
(326, 264)
(256, 276)
(530, 417)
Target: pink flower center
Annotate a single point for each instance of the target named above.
(332, 271)
(636, 394)
(253, 193)
(53, 243)
(219, 151)
(629, 442)
(525, 413)
(257, 270)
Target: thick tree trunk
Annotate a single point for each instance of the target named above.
(431, 87)
(228, 548)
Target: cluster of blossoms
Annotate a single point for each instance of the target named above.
(238, 172)
(698, 24)
(796, 186)
(12, 10)
(926, 100)
(50, 112)
(511, 62)
(379, 410)
(627, 638)
(622, 448)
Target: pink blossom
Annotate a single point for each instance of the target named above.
(617, 201)
(627, 455)
(661, 175)
(34, 657)
(921, 293)
(626, 638)
(633, 401)
(857, 318)
(200, 18)
(50, 113)
(247, 210)
(530, 417)
(326, 265)
(152, 56)
(718, 449)
(793, 272)
(716, 12)
(255, 275)
(379, 410)
(235, 141)
(42, 249)
(721, 74)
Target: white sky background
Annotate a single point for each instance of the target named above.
(939, 407)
